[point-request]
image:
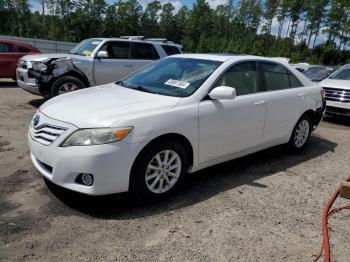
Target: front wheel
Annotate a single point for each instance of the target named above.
(301, 133)
(158, 170)
(65, 85)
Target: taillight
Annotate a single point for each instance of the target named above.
(323, 94)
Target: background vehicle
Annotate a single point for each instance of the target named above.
(179, 114)
(318, 73)
(301, 67)
(337, 90)
(92, 62)
(10, 53)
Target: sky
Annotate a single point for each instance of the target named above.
(36, 5)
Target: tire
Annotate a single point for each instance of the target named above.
(143, 175)
(301, 134)
(66, 83)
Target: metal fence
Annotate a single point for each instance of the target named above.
(45, 46)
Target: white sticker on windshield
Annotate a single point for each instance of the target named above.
(95, 42)
(177, 83)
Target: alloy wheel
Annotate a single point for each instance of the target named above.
(301, 133)
(163, 171)
(67, 87)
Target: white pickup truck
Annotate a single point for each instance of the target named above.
(92, 62)
(337, 89)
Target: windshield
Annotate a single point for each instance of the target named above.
(85, 47)
(314, 70)
(174, 76)
(342, 74)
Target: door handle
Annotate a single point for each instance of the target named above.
(257, 103)
(301, 94)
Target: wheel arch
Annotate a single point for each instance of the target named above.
(172, 137)
(72, 73)
(310, 113)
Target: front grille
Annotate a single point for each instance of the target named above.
(337, 94)
(46, 134)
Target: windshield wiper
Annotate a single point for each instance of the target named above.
(141, 88)
(121, 83)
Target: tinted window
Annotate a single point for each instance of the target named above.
(117, 50)
(171, 50)
(276, 76)
(6, 48)
(144, 51)
(294, 82)
(23, 49)
(243, 77)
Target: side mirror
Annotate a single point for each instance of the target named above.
(102, 54)
(222, 92)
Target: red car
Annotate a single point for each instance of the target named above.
(10, 52)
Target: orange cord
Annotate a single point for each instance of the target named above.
(327, 212)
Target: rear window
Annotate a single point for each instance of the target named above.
(144, 51)
(171, 50)
(23, 49)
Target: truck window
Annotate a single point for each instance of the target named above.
(144, 51)
(171, 50)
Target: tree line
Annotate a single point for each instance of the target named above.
(315, 31)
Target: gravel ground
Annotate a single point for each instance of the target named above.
(263, 207)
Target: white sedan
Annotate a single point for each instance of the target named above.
(175, 116)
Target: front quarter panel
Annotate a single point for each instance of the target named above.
(182, 120)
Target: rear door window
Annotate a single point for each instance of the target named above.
(171, 50)
(144, 51)
(23, 49)
(294, 82)
(277, 77)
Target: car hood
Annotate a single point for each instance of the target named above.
(46, 57)
(104, 106)
(335, 83)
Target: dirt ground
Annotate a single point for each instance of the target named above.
(264, 207)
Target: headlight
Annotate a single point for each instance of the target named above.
(29, 65)
(39, 66)
(96, 136)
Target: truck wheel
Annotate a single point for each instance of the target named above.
(65, 85)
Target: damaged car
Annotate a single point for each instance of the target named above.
(92, 62)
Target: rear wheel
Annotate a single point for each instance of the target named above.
(158, 170)
(65, 85)
(301, 133)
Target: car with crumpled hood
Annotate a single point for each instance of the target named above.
(92, 62)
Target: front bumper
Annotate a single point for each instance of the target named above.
(27, 83)
(110, 164)
(338, 108)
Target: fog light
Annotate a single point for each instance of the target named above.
(87, 179)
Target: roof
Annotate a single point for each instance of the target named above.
(16, 42)
(146, 40)
(223, 57)
(213, 57)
